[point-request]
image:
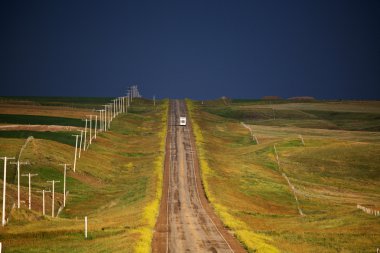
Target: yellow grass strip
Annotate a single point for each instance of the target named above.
(150, 214)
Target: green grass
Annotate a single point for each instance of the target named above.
(39, 120)
(315, 114)
(61, 137)
(259, 114)
(333, 172)
(350, 120)
(116, 185)
(134, 154)
(271, 101)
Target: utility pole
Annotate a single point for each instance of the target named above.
(43, 201)
(96, 124)
(30, 188)
(109, 106)
(100, 120)
(123, 104)
(85, 227)
(64, 182)
(4, 187)
(129, 95)
(114, 108)
(118, 105)
(85, 136)
(52, 192)
(126, 104)
(90, 129)
(18, 179)
(154, 101)
(80, 145)
(137, 92)
(111, 115)
(105, 118)
(76, 148)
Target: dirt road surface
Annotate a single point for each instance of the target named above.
(186, 222)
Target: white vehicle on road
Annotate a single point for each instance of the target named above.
(182, 121)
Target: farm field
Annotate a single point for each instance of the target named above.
(335, 169)
(61, 107)
(338, 115)
(117, 182)
(283, 176)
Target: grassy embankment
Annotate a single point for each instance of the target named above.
(117, 185)
(334, 171)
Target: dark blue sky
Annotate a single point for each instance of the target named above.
(198, 49)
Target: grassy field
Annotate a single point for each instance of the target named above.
(62, 137)
(343, 115)
(84, 102)
(117, 185)
(39, 120)
(60, 107)
(334, 171)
